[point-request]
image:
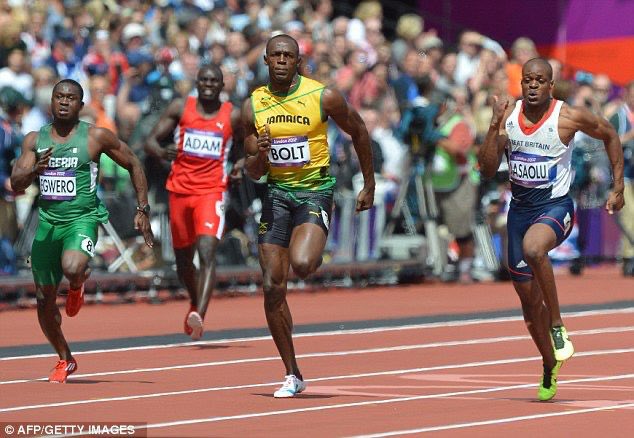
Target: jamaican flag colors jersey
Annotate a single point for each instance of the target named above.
(68, 187)
(299, 157)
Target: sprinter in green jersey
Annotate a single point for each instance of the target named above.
(64, 156)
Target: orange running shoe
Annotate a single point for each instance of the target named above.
(187, 328)
(74, 301)
(62, 370)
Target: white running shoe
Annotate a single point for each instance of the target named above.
(291, 387)
(195, 322)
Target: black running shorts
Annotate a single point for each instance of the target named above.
(284, 210)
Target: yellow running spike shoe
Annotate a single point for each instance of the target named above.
(548, 385)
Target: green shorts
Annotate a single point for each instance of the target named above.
(52, 240)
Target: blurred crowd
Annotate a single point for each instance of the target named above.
(132, 57)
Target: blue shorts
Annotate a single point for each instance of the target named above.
(559, 214)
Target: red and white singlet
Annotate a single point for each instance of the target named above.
(201, 165)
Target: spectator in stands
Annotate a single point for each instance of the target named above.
(16, 74)
(63, 60)
(408, 28)
(468, 59)
(39, 112)
(9, 40)
(446, 81)
(522, 50)
(601, 91)
(623, 122)
(390, 158)
(405, 85)
(38, 47)
(455, 179)
(355, 80)
(432, 47)
(134, 92)
(198, 30)
(12, 104)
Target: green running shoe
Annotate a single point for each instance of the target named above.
(548, 385)
(561, 343)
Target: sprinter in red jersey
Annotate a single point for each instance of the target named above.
(204, 129)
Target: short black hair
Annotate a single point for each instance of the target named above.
(73, 83)
(282, 35)
(542, 61)
(213, 67)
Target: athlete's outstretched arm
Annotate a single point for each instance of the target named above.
(256, 145)
(348, 119)
(491, 150)
(30, 164)
(163, 128)
(121, 153)
(597, 127)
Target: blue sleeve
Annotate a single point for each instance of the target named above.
(431, 135)
(412, 91)
(403, 127)
(5, 160)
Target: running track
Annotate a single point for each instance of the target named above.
(447, 359)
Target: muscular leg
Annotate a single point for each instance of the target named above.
(538, 240)
(206, 246)
(275, 263)
(537, 318)
(306, 248)
(187, 271)
(50, 320)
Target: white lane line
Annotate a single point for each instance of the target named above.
(496, 421)
(372, 402)
(328, 354)
(318, 379)
(342, 331)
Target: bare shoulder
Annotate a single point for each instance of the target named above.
(103, 137)
(576, 115)
(28, 143)
(332, 101)
(31, 137)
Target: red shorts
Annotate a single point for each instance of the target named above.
(196, 215)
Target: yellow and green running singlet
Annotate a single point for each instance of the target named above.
(299, 156)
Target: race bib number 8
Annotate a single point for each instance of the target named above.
(531, 170)
(203, 144)
(289, 151)
(58, 185)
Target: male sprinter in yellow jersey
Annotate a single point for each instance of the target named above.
(285, 127)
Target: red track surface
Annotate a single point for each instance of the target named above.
(476, 378)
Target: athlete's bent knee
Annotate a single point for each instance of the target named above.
(73, 269)
(303, 268)
(534, 254)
